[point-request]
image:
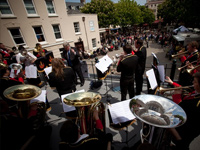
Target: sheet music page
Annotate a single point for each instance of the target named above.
(40, 98)
(161, 71)
(120, 112)
(104, 63)
(102, 67)
(152, 79)
(67, 108)
(48, 70)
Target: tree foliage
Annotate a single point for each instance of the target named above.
(124, 13)
(104, 9)
(180, 11)
(147, 15)
(128, 12)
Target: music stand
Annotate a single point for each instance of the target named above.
(103, 69)
(118, 121)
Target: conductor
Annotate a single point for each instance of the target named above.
(72, 56)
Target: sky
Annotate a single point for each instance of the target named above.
(140, 2)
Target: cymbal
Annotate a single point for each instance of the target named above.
(82, 99)
(15, 66)
(22, 92)
(157, 111)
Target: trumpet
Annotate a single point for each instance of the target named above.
(190, 70)
(173, 56)
(161, 89)
(187, 65)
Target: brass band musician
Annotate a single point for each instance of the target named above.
(73, 139)
(191, 105)
(39, 51)
(127, 66)
(185, 78)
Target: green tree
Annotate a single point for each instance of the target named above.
(147, 15)
(104, 9)
(180, 11)
(128, 12)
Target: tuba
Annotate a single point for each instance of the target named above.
(86, 103)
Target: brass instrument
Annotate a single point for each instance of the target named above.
(3, 65)
(173, 56)
(39, 50)
(161, 89)
(86, 103)
(25, 56)
(22, 92)
(190, 70)
(15, 66)
(187, 65)
(156, 112)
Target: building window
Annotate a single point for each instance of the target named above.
(17, 36)
(91, 25)
(94, 44)
(39, 34)
(50, 7)
(29, 6)
(56, 30)
(4, 7)
(76, 27)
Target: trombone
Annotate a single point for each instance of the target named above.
(187, 65)
(173, 56)
(190, 70)
(161, 89)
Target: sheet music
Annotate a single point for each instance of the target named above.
(152, 79)
(40, 98)
(67, 108)
(120, 112)
(31, 71)
(48, 70)
(161, 71)
(104, 63)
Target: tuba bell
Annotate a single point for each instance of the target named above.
(86, 103)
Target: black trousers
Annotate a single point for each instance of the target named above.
(78, 71)
(127, 85)
(139, 81)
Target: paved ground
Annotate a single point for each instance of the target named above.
(55, 117)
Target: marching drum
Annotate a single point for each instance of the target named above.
(157, 112)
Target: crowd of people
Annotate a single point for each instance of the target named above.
(63, 77)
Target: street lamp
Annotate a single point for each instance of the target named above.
(83, 19)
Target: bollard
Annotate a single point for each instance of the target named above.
(173, 70)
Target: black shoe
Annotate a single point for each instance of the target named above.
(81, 84)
